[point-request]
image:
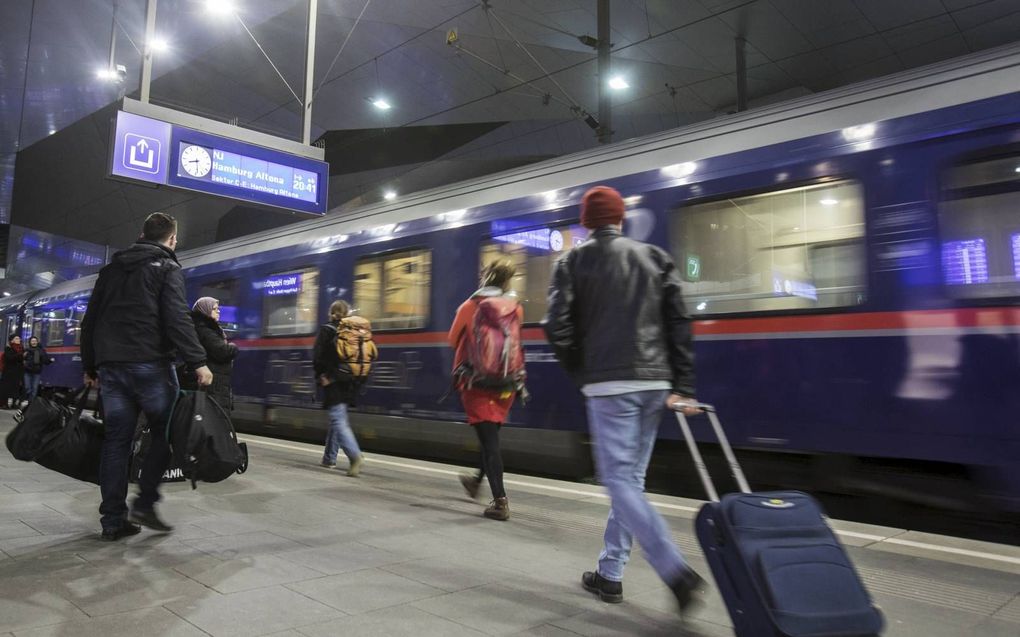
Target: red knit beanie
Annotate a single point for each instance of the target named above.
(601, 206)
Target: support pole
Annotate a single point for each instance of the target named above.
(604, 70)
(150, 35)
(113, 39)
(741, 73)
(306, 118)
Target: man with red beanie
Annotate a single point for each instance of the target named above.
(617, 323)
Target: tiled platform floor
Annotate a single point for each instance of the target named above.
(294, 549)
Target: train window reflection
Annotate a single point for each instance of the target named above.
(534, 252)
(979, 224)
(55, 327)
(290, 303)
(392, 290)
(798, 248)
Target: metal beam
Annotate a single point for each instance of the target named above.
(150, 35)
(741, 73)
(604, 69)
(306, 119)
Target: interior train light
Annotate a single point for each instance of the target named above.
(829, 201)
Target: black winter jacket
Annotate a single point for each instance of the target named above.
(327, 363)
(616, 313)
(36, 358)
(138, 312)
(220, 357)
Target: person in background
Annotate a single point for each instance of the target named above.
(13, 374)
(617, 324)
(486, 408)
(35, 359)
(339, 391)
(220, 354)
(135, 326)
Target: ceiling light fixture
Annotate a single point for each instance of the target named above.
(160, 45)
(1017, 169)
(219, 7)
(829, 201)
(381, 104)
(618, 83)
(389, 195)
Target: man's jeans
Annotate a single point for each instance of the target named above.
(340, 435)
(623, 430)
(129, 389)
(32, 385)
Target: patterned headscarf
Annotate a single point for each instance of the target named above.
(205, 305)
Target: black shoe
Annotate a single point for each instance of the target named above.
(608, 591)
(149, 520)
(689, 590)
(125, 530)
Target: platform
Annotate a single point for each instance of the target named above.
(294, 549)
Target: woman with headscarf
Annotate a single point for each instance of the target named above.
(14, 373)
(220, 354)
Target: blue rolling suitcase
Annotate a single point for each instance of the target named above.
(779, 567)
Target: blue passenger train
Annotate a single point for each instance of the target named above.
(852, 262)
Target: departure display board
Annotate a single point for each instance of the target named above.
(1015, 239)
(965, 262)
(153, 151)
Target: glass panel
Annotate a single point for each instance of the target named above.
(981, 245)
(55, 327)
(801, 248)
(290, 303)
(534, 252)
(226, 292)
(983, 173)
(392, 290)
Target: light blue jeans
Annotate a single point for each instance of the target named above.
(623, 430)
(32, 385)
(340, 435)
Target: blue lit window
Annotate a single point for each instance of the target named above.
(965, 262)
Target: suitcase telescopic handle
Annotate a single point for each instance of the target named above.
(699, 463)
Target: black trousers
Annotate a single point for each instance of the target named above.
(492, 459)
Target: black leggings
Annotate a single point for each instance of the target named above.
(492, 460)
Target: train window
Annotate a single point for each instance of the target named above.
(392, 290)
(534, 252)
(798, 248)
(979, 224)
(226, 293)
(290, 304)
(55, 327)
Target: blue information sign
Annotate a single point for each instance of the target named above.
(1015, 239)
(150, 150)
(282, 284)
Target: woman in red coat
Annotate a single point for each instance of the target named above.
(486, 408)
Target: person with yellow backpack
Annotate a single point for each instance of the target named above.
(342, 358)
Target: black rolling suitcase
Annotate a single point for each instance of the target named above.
(779, 567)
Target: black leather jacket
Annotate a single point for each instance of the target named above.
(616, 313)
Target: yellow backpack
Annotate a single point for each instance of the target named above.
(355, 347)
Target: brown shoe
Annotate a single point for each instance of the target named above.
(470, 484)
(499, 509)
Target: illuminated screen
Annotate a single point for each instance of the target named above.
(228, 314)
(1015, 240)
(246, 173)
(965, 262)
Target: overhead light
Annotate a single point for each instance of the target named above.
(381, 104)
(389, 195)
(618, 83)
(701, 306)
(105, 74)
(219, 7)
(829, 201)
(1017, 169)
(859, 133)
(679, 171)
(53, 131)
(160, 45)
(633, 200)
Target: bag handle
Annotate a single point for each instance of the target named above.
(81, 398)
(706, 478)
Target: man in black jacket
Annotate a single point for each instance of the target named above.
(617, 323)
(136, 323)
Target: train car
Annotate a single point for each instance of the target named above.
(851, 260)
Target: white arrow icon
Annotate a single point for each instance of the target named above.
(141, 153)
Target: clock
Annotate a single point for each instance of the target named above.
(196, 161)
(556, 240)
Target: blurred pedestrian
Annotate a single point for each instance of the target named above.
(35, 359)
(13, 374)
(339, 390)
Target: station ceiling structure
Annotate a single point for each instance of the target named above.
(514, 86)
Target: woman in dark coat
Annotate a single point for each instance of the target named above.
(14, 373)
(219, 353)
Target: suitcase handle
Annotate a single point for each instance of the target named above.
(699, 463)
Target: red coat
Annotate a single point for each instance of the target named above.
(480, 405)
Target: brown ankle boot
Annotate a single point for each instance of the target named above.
(498, 510)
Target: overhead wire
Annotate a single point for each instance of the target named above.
(342, 46)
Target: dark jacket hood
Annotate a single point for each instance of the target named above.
(142, 252)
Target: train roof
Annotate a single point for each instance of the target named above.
(971, 78)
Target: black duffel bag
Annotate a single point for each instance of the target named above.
(203, 441)
(42, 419)
(75, 450)
(140, 449)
